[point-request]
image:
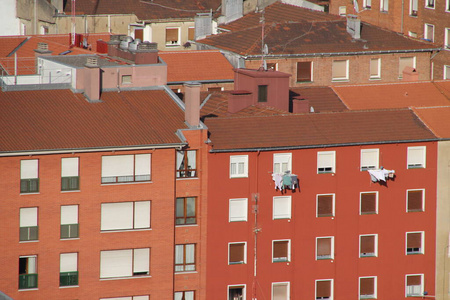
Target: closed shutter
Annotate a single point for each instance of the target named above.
(368, 202)
(69, 214)
(29, 169)
(415, 200)
(69, 167)
(191, 33)
(323, 289)
(324, 247)
(282, 207)
(117, 165)
(141, 262)
(238, 210)
(237, 252)
(414, 240)
(143, 165)
(374, 67)
(280, 249)
(117, 216)
(325, 205)
(414, 280)
(416, 157)
(142, 214)
(367, 244)
(171, 35)
(304, 71)
(367, 286)
(339, 69)
(116, 263)
(369, 159)
(280, 292)
(28, 217)
(325, 160)
(68, 262)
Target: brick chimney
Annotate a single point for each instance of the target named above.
(42, 50)
(300, 105)
(238, 100)
(92, 79)
(192, 103)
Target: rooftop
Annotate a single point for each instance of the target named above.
(436, 118)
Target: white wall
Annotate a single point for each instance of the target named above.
(9, 24)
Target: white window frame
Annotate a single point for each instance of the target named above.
(70, 167)
(70, 216)
(447, 5)
(412, 3)
(331, 288)
(367, 4)
(447, 38)
(378, 75)
(244, 290)
(132, 171)
(421, 285)
(237, 159)
(342, 10)
(73, 264)
(445, 71)
(288, 250)
(287, 284)
(375, 246)
(428, 6)
(332, 247)
(29, 218)
(384, 5)
(346, 77)
(364, 157)
(245, 253)
(425, 32)
(333, 205)
(280, 159)
(321, 164)
(423, 199)
(136, 217)
(179, 37)
(285, 215)
(130, 256)
(375, 287)
(376, 202)
(422, 243)
(416, 165)
(233, 203)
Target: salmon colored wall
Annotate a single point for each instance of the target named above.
(390, 224)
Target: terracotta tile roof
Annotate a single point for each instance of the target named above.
(216, 105)
(316, 130)
(322, 99)
(398, 95)
(145, 9)
(197, 65)
(60, 119)
(279, 13)
(436, 118)
(308, 38)
(57, 43)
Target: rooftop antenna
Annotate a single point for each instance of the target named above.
(264, 50)
(73, 23)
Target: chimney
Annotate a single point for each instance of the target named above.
(42, 50)
(238, 100)
(146, 53)
(354, 26)
(92, 79)
(410, 74)
(300, 105)
(192, 103)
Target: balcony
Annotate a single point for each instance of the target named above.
(68, 278)
(28, 281)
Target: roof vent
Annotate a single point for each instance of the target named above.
(124, 44)
(92, 61)
(147, 46)
(133, 46)
(42, 46)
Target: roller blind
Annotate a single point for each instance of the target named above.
(238, 210)
(280, 249)
(282, 207)
(339, 69)
(325, 205)
(69, 214)
(416, 156)
(280, 291)
(141, 263)
(414, 240)
(68, 262)
(367, 286)
(323, 246)
(143, 164)
(117, 165)
(414, 280)
(304, 71)
(116, 263)
(142, 214)
(171, 35)
(368, 244)
(369, 158)
(403, 63)
(368, 202)
(29, 169)
(374, 67)
(323, 288)
(415, 200)
(237, 252)
(325, 159)
(117, 216)
(69, 167)
(28, 217)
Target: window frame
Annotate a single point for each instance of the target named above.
(71, 182)
(325, 257)
(311, 73)
(28, 279)
(422, 243)
(446, 39)
(72, 227)
(340, 78)
(183, 294)
(284, 283)
(422, 209)
(288, 250)
(240, 218)
(236, 159)
(447, 5)
(375, 246)
(421, 285)
(185, 263)
(282, 158)
(376, 203)
(384, 6)
(185, 216)
(342, 10)
(364, 166)
(333, 205)
(319, 164)
(126, 178)
(32, 231)
(425, 32)
(132, 264)
(446, 69)
(430, 4)
(331, 289)
(367, 4)
(27, 181)
(285, 216)
(412, 12)
(184, 169)
(378, 75)
(242, 286)
(68, 278)
(263, 93)
(375, 285)
(134, 216)
(422, 165)
(244, 255)
(177, 43)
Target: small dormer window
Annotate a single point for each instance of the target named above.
(262, 93)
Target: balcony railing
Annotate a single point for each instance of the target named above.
(28, 281)
(68, 278)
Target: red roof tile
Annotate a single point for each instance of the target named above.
(322, 99)
(197, 66)
(60, 119)
(436, 118)
(316, 130)
(398, 95)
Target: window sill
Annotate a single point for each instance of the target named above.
(69, 286)
(124, 183)
(369, 213)
(280, 261)
(374, 78)
(324, 258)
(186, 178)
(186, 272)
(186, 225)
(32, 193)
(235, 221)
(33, 241)
(415, 210)
(69, 239)
(125, 230)
(325, 216)
(128, 277)
(233, 177)
(71, 191)
(414, 167)
(429, 7)
(236, 263)
(367, 255)
(32, 289)
(340, 80)
(414, 253)
(305, 81)
(173, 45)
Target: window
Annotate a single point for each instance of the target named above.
(282, 207)
(447, 72)
(339, 70)
(68, 269)
(139, 33)
(28, 224)
(324, 289)
(184, 295)
(416, 157)
(236, 292)
(384, 5)
(412, 34)
(191, 33)
(126, 168)
(405, 62)
(325, 248)
(129, 298)
(280, 291)
(368, 203)
(368, 245)
(281, 251)
(215, 89)
(238, 210)
(184, 257)
(304, 71)
(126, 79)
(415, 242)
(429, 4)
(237, 253)
(413, 6)
(69, 221)
(186, 163)
(415, 200)
(369, 159)
(342, 10)
(375, 68)
(368, 287)
(29, 178)
(429, 32)
(367, 4)
(172, 36)
(124, 263)
(238, 166)
(325, 205)
(282, 162)
(125, 215)
(44, 30)
(272, 66)
(28, 277)
(447, 5)
(414, 285)
(70, 179)
(185, 211)
(262, 93)
(326, 162)
(447, 39)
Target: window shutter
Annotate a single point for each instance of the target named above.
(369, 158)
(280, 249)
(368, 202)
(323, 246)
(416, 156)
(368, 244)
(117, 216)
(325, 205)
(374, 62)
(29, 169)
(238, 210)
(415, 200)
(143, 164)
(414, 280)
(304, 71)
(323, 288)
(282, 207)
(68, 262)
(237, 252)
(141, 262)
(191, 33)
(171, 35)
(116, 263)
(117, 165)
(28, 217)
(414, 240)
(325, 159)
(69, 214)
(142, 214)
(280, 292)
(69, 167)
(367, 286)
(339, 69)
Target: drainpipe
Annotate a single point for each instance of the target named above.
(403, 11)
